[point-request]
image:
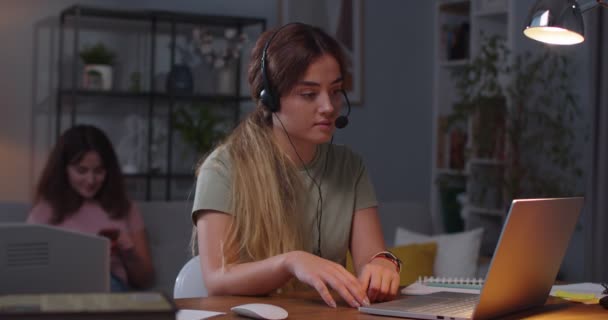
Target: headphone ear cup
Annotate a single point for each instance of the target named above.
(268, 101)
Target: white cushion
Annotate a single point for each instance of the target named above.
(457, 253)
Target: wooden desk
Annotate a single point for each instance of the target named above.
(308, 305)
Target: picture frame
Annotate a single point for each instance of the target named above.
(342, 19)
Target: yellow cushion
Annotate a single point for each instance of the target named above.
(418, 260)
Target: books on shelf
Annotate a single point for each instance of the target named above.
(451, 145)
(442, 123)
(87, 306)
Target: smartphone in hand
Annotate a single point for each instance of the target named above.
(113, 235)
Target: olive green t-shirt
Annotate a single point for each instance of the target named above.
(345, 188)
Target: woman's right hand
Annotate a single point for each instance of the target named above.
(318, 273)
(112, 234)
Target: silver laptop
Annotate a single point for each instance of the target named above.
(528, 256)
(46, 259)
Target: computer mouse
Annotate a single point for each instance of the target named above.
(260, 311)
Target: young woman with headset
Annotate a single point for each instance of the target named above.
(277, 201)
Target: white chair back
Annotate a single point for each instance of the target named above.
(189, 282)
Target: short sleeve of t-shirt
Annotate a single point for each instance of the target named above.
(40, 214)
(365, 197)
(213, 185)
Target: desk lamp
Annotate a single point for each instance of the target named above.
(559, 22)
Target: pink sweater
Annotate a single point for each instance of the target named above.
(91, 218)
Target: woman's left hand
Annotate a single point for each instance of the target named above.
(380, 279)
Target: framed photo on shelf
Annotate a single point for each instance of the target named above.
(342, 19)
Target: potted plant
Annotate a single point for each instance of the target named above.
(542, 159)
(199, 126)
(522, 110)
(482, 98)
(98, 62)
(482, 108)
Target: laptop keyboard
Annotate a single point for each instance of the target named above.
(461, 307)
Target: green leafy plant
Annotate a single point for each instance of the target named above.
(97, 54)
(525, 102)
(199, 126)
(542, 121)
(482, 97)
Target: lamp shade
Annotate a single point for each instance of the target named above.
(555, 22)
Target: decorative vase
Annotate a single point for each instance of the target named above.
(98, 77)
(225, 81)
(180, 80)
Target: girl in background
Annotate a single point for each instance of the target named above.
(82, 189)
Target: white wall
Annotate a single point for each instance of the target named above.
(393, 127)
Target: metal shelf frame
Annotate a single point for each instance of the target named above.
(69, 94)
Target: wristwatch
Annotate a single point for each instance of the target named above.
(390, 257)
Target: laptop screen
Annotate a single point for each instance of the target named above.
(529, 253)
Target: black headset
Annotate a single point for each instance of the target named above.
(272, 101)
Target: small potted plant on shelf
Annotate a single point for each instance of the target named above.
(199, 126)
(98, 69)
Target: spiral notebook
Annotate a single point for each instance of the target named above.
(447, 282)
(428, 285)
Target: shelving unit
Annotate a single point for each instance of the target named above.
(458, 24)
(150, 43)
(453, 63)
(451, 172)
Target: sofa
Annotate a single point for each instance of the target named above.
(169, 230)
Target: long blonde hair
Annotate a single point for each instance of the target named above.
(267, 194)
